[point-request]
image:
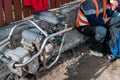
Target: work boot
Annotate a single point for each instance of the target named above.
(95, 53)
(95, 48)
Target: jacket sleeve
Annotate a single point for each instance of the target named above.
(109, 12)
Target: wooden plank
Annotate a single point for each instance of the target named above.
(26, 11)
(57, 3)
(52, 4)
(72, 0)
(63, 1)
(31, 11)
(17, 9)
(67, 1)
(1, 13)
(8, 10)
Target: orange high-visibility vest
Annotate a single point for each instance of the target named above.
(81, 18)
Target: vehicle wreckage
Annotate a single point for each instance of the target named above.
(36, 44)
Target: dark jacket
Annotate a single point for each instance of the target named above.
(89, 11)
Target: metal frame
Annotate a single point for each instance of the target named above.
(6, 41)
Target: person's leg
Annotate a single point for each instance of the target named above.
(97, 42)
(100, 33)
(87, 30)
(97, 35)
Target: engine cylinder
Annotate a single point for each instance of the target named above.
(31, 37)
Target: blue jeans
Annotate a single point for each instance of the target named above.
(100, 33)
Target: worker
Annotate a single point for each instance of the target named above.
(91, 19)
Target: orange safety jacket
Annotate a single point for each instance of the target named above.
(81, 18)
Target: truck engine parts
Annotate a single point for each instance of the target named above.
(30, 40)
(39, 47)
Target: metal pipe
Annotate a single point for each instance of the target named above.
(44, 60)
(38, 28)
(5, 44)
(59, 53)
(42, 47)
(10, 34)
(4, 41)
(12, 30)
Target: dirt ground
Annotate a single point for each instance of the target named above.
(80, 65)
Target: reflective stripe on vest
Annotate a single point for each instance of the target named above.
(81, 18)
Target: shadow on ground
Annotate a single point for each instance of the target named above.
(86, 68)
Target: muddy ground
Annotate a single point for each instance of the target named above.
(81, 65)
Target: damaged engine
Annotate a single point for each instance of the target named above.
(32, 46)
(31, 41)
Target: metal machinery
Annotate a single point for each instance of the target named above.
(32, 47)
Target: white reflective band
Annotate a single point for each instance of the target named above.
(80, 23)
(90, 12)
(82, 17)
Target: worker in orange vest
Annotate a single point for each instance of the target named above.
(91, 19)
